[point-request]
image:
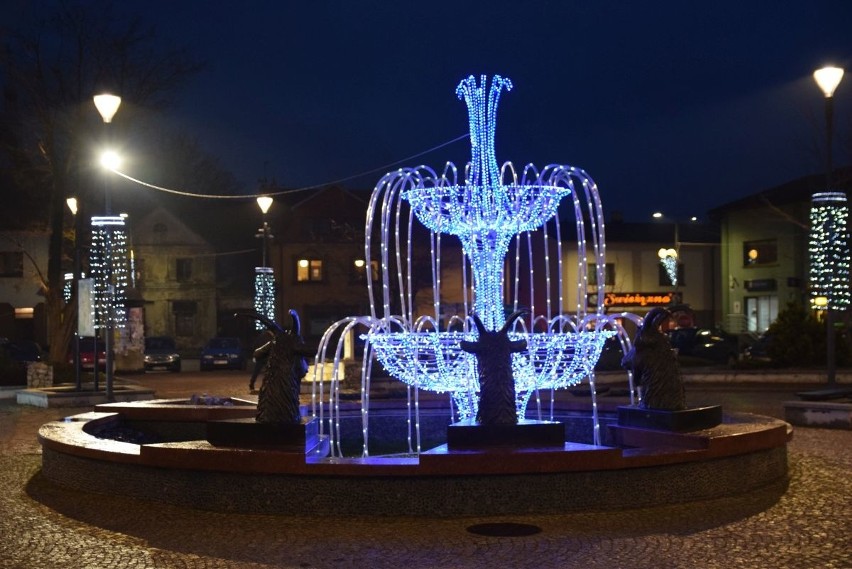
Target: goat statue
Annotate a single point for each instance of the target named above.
(278, 400)
(493, 351)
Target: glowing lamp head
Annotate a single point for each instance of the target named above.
(110, 160)
(303, 263)
(72, 205)
(360, 263)
(264, 202)
(107, 105)
(820, 301)
(664, 253)
(828, 78)
(657, 215)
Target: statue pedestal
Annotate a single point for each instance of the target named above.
(693, 419)
(299, 437)
(469, 434)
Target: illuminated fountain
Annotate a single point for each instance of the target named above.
(493, 211)
(428, 296)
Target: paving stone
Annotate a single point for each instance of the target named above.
(809, 526)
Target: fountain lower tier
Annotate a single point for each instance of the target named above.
(641, 468)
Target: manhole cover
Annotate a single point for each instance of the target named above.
(506, 529)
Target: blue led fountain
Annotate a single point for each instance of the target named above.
(415, 332)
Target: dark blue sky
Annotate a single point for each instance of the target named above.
(679, 106)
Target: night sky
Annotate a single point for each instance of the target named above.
(677, 106)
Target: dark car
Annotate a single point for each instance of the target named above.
(222, 353)
(705, 346)
(759, 351)
(24, 351)
(87, 353)
(161, 354)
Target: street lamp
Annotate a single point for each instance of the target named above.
(72, 205)
(107, 105)
(828, 240)
(264, 279)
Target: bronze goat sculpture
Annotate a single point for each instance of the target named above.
(493, 351)
(278, 400)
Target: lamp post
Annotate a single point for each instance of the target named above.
(264, 203)
(72, 205)
(828, 78)
(669, 257)
(264, 279)
(107, 105)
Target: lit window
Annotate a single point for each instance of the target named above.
(359, 270)
(308, 270)
(764, 252)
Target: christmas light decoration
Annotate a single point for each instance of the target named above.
(109, 267)
(264, 294)
(829, 251)
(668, 258)
(492, 210)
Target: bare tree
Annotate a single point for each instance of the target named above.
(50, 72)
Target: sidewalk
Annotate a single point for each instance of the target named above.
(809, 526)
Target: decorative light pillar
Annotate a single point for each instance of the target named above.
(829, 236)
(107, 105)
(264, 279)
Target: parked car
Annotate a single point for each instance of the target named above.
(759, 351)
(87, 353)
(23, 351)
(221, 353)
(161, 354)
(611, 356)
(705, 346)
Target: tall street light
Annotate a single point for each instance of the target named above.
(264, 280)
(831, 228)
(72, 205)
(107, 105)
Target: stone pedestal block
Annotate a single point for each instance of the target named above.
(683, 421)
(469, 434)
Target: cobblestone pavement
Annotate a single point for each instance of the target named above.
(808, 526)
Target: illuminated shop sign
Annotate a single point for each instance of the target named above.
(625, 299)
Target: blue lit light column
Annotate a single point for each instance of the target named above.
(107, 106)
(829, 239)
(264, 279)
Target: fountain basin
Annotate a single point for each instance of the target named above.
(643, 468)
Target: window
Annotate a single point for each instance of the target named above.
(308, 270)
(665, 280)
(757, 253)
(761, 312)
(183, 269)
(359, 270)
(609, 276)
(11, 264)
(184, 313)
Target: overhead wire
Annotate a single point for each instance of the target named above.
(282, 192)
